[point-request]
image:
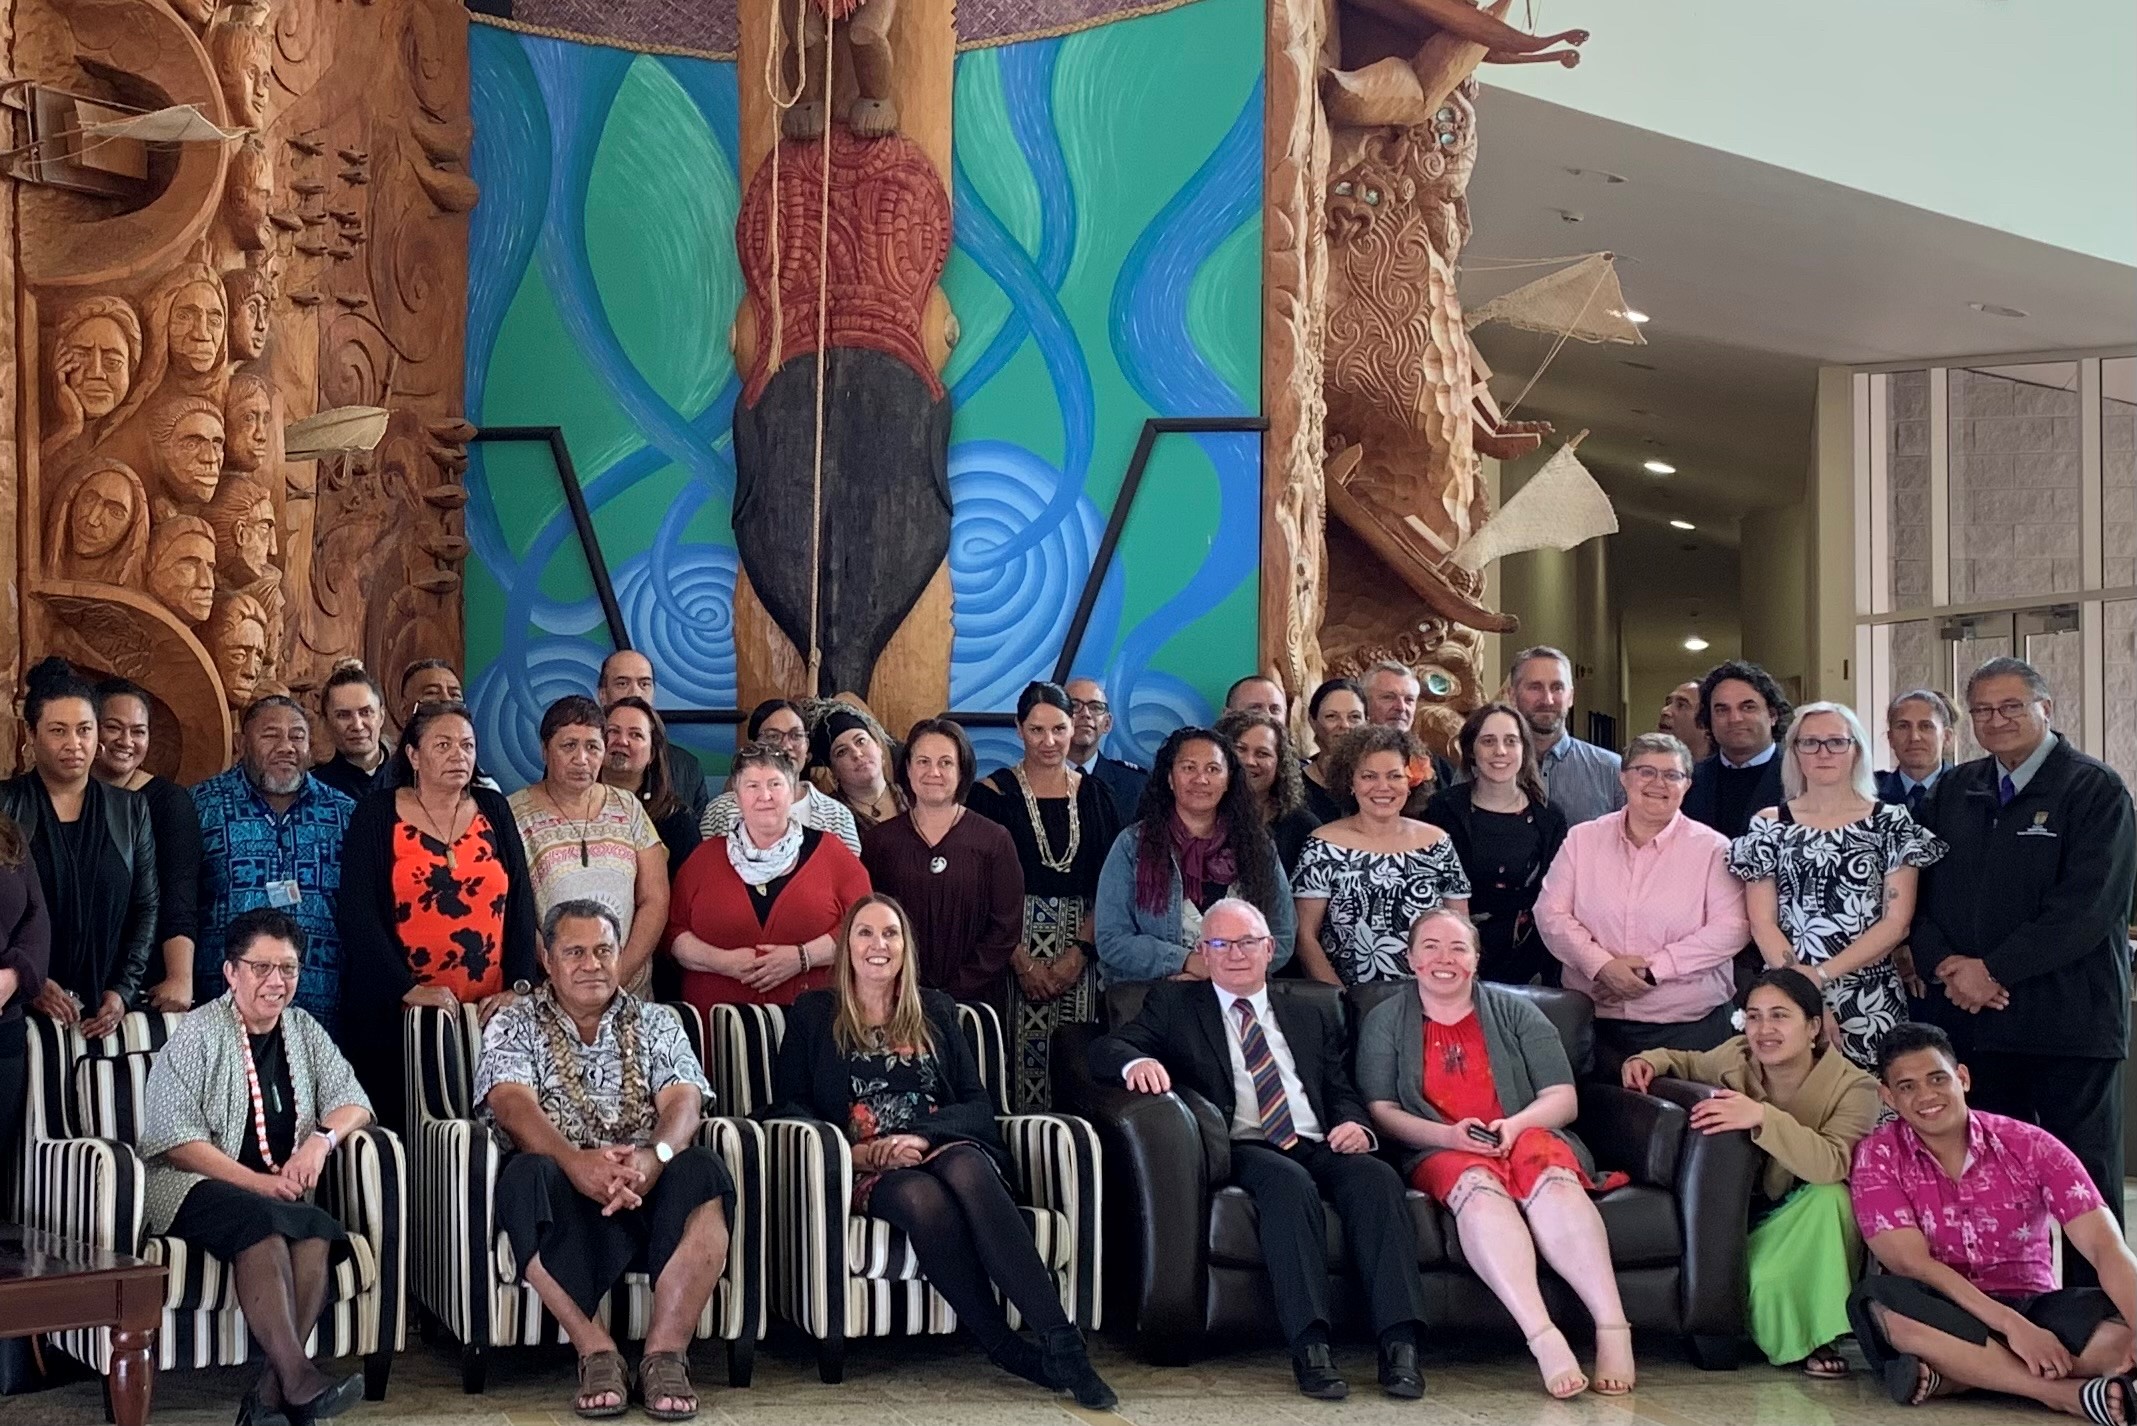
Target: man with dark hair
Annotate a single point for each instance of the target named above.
(1918, 728)
(2022, 930)
(425, 681)
(1745, 712)
(1956, 1205)
(271, 834)
(353, 707)
(1579, 778)
(1090, 719)
(628, 673)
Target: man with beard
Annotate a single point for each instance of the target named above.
(271, 835)
(1579, 778)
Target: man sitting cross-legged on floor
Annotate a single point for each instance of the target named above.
(601, 1097)
(1955, 1204)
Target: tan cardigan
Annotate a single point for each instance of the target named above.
(1813, 1136)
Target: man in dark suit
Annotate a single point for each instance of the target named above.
(1744, 711)
(2022, 930)
(1277, 1071)
(628, 673)
(1918, 727)
(1090, 719)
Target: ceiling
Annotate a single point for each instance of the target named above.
(1754, 276)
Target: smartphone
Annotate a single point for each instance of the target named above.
(1483, 1135)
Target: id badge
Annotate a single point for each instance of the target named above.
(283, 893)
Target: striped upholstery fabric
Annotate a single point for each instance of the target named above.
(82, 1179)
(466, 1276)
(838, 1274)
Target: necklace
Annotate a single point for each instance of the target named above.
(1047, 858)
(586, 824)
(634, 1114)
(444, 839)
(252, 1086)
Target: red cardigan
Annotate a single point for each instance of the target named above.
(711, 902)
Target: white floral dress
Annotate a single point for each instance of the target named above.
(1373, 900)
(1829, 885)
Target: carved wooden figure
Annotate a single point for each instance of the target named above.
(181, 567)
(866, 27)
(98, 528)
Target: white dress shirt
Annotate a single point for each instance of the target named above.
(1246, 1102)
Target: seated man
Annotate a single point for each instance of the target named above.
(1298, 1130)
(1955, 1204)
(601, 1096)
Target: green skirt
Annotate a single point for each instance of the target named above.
(1803, 1259)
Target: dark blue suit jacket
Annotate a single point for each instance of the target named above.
(1123, 782)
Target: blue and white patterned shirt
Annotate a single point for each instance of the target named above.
(248, 849)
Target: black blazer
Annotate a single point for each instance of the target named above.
(1702, 798)
(2040, 890)
(1124, 783)
(134, 906)
(1891, 789)
(1181, 1027)
(810, 1079)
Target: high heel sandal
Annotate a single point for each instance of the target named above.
(1612, 1386)
(1567, 1384)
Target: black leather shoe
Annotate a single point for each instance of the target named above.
(1399, 1375)
(1315, 1368)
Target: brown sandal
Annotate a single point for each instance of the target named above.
(666, 1374)
(603, 1373)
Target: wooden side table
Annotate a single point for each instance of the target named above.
(53, 1284)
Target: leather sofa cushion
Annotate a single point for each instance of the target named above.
(1235, 1232)
(1641, 1224)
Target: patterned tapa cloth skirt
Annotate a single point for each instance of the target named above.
(1051, 925)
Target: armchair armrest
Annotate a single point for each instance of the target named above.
(1059, 1165)
(740, 1144)
(1641, 1134)
(366, 1186)
(1715, 1177)
(94, 1191)
(458, 1161)
(809, 1193)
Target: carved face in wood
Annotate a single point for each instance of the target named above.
(244, 61)
(181, 567)
(248, 195)
(248, 423)
(198, 324)
(237, 636)
(243, 517)
(245, 293)
(93, 358)
(188, 434)
(102, 513)
(1364, 191)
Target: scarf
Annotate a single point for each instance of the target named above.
(87, 893)
(1200, 860)
(760, 866)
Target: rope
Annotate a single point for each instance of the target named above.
(1552, 355)
(823, 346)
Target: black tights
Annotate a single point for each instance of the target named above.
(970, 1237)
(281, 1285)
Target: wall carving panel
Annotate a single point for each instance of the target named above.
(175, 322)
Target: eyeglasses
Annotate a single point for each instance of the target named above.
(2008, 712)
(1824, 745)
(1096, 707)
(798, 735)
(1673, 776)
(1245, 944)
(273, 970)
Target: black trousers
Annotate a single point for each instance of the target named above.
(588, 1253)
(2077, 1100)
(1286, 1186)
(1617, 1041)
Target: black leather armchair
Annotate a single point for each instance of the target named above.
(1187, 1266)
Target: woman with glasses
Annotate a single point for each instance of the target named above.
(1830, 878)
(777, 724)
(1640, 909)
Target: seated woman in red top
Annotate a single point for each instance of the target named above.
(754, 915)
(1432, 1067)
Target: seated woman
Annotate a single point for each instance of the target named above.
(1807, 1106)
(243, 1106)
(1199, 840)
(777, 724)
(955, 873)
(586, 840)
(853, 748)
(755, 915)
(1273, 775)
(1506, 834)
(1363, 880)
(884, 1060)
(436, 905)
(1475, 1080)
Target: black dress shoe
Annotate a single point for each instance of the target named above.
(1399, 1375)
(1315, 1368)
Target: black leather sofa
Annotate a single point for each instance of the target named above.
(1185, 1257)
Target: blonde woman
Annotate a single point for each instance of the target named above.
(882, 1058)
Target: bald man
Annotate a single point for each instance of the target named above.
(628, 673)
(1090, 719)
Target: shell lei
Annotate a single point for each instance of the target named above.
(1047, 859)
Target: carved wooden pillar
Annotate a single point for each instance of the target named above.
(877, 592)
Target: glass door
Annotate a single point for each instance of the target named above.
(2046, 636)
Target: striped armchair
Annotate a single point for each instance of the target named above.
(465, 1275)
(83, 1180)
(840, 1274)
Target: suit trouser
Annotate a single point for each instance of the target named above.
(1286, 1186)
(2077, 1100)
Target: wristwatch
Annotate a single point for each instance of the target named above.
(333, 1140)
(662, 1150)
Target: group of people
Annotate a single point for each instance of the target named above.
(1771, 918)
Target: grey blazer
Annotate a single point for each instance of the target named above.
(1527, 1057)
(197, 1093)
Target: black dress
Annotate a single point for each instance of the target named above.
(176, 822)
(225, 1219)
(1505, 855)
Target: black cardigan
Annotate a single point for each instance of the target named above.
(122, 967)
(179, 849)
(810, 1079)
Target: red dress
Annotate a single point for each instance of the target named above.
(1458, 1084)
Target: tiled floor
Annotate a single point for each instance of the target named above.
(941, 1383)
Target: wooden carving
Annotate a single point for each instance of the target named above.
(166, 336)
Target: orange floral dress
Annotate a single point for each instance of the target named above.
(1458, 1084)
(449, 907)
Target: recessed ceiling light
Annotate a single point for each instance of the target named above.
(1997, 309)
(1682, 525)
(1658, 467)
(1641, 365)
(1635, 316)
(1693, 644)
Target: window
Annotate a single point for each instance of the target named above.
(2016, 481)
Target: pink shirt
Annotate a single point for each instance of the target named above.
(1672, 901)
(1991, 1227)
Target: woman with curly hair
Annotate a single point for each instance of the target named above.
(1200, 838)
(1274, 777)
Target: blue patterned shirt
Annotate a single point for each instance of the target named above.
(247, 847)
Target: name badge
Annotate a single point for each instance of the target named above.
(2039, 827)
(283, 893)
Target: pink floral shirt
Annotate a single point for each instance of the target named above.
(1992, 1225)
